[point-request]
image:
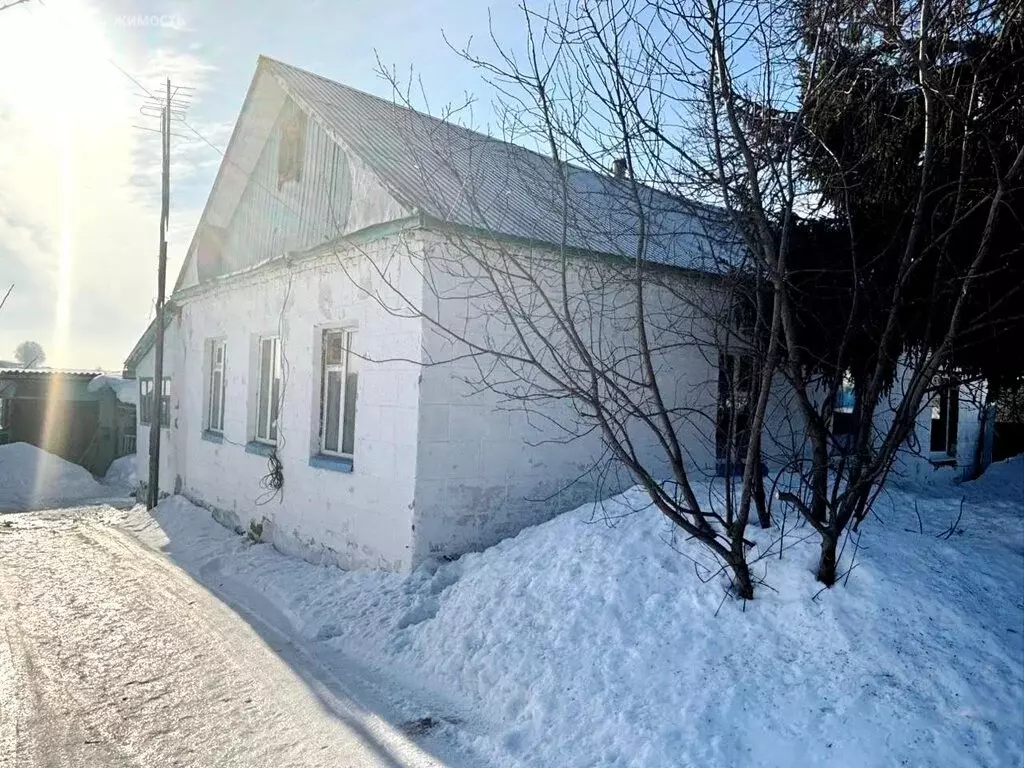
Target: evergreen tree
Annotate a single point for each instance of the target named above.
(898, 168)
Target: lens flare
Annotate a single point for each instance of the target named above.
(54, 420)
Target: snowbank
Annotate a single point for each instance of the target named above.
(126, 390)
(31, 478)
(583, 643)
(1003, 480)
(122, 474)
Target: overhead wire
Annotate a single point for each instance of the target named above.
(272, 483)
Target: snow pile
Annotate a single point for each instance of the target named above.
(582, 643)
(126, 390)
(1003, 480)
(31, 478)
(122, 474)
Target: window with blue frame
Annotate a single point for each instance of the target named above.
(339, 384)
(844, 423)
(945, 421)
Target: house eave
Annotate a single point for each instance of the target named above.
(298, 258)
(431, 223)
(419, 221)
(146, 341)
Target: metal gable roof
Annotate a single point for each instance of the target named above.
(466, 178)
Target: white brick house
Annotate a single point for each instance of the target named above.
(387, 456)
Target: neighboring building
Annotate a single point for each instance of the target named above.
(1009, 421)
(283, 363)
(954, 429)
(65, 413)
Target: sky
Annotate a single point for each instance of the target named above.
(79, 174)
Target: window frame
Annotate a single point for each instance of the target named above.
(165, 400)
(735, 386)
(844, 422)
(267, 398)
(215, 422)
(145, 400)
(342, 368)
(148, 402)
(946, 401)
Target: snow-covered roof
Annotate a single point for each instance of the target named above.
(124, 389)
(38, 371)
(462, 177)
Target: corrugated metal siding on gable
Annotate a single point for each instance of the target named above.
(468, 178)
(304, 213)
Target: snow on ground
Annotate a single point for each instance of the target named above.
(122, 474)
(31, 478)
(589, 640)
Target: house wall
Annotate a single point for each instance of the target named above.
(485, 468)
(915, 460)
(361, 518)
(173, 357)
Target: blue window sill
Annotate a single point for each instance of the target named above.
(259, 449)
(212, 437)
(332, 463)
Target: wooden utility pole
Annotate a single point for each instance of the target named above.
(156, 410)
(169, 106)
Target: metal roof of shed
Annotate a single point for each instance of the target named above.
(36, 372)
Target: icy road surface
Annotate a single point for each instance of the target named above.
(110, 655)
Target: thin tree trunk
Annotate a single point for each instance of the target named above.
(760, 499)
(741, 576)
(827, 563)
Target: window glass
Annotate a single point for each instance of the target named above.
(348, 435)
(269, 390)
(338, 388)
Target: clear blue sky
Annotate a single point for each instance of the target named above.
(79, 184)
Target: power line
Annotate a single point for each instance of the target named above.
(198, 134)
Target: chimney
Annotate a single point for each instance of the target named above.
(619, 168)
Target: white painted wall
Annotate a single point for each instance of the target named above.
(915, 461)
(484, 472)
(441, 467)
(168, 460)
(357, 519)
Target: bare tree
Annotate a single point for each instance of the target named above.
(707, 108)
(11, 4)
(585, 319)
(29, 354)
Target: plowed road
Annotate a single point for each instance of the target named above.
(110, 655)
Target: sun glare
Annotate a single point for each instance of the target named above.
(56, 54)
(54, 416)
(67, 94)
